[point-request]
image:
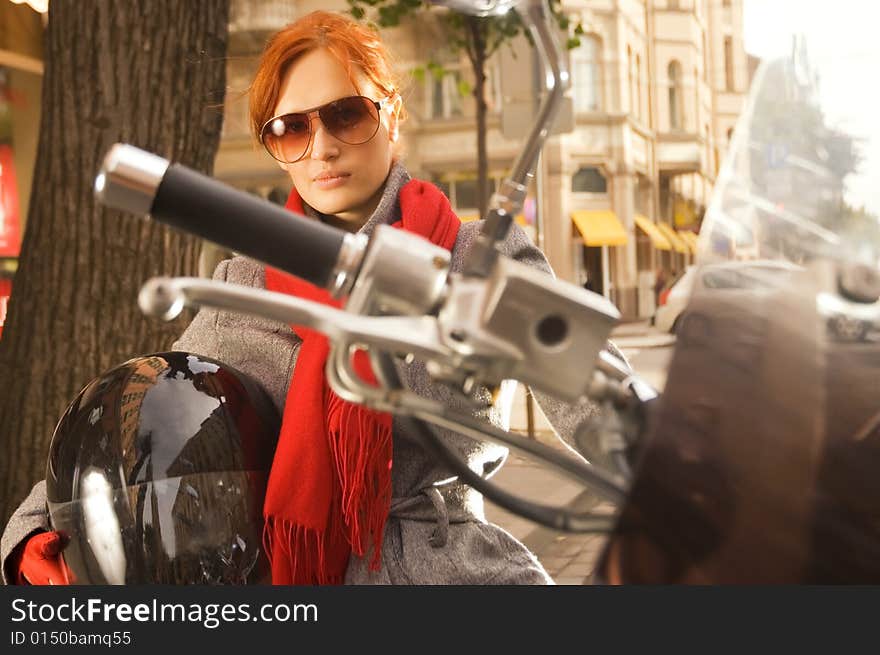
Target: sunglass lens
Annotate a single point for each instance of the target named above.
(352, 120)
(287, 137)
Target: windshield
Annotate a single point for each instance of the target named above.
(761, 463)
(800, 180)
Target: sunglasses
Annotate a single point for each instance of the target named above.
(353, 120)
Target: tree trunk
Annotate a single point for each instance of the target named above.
(146, 72)
(478, 44)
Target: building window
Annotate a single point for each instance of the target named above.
(710, 160)
(642, 194)
(638, 86)
(444, 95)
(673, 74)
(443, 184)
(728, 62)
(461, 189)
(665, 197)
(466, 194)
(631, 75)
(589, 179)
(586, 76)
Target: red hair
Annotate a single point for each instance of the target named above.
(358, 48)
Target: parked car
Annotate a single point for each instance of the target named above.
(728, 275)
(848, 320)
(673, 299)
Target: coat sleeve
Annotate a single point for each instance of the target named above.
(30, 517)
(200, 336)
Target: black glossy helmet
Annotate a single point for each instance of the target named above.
(157, 473)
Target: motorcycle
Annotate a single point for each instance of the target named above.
(755, 463)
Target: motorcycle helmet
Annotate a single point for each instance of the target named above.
(157, 473)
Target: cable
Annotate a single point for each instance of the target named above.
(549, 516)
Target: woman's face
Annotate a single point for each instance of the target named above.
(334, 177)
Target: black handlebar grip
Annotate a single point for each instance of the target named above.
(143, 183)
(244, 223)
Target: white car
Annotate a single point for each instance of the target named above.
(728, 275)
(673, 299)
(848, 320)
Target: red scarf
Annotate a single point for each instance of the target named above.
(329, 489)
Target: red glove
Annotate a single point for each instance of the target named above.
(40, 562)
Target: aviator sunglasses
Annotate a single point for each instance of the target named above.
(353, 120)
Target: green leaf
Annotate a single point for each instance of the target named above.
(419, 73)
(357, 13)
(579, 30)
(572, 43)
(464, 88)
(389, 16)
(437, 70)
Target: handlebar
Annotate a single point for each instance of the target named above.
(143, 183)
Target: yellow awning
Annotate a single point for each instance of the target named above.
(690, 238)
(671, 235)
(599, 227)
(648, 227)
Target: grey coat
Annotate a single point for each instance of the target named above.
(437, 532)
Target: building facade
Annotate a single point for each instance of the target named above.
(621, 187)
(657, 86)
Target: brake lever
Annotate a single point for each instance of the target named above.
(166, 297)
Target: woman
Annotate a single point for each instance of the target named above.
(325, 104)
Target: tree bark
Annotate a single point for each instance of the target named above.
(146, 72)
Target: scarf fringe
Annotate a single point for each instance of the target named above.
(362, 459)
(360, 444)
(297, 554)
